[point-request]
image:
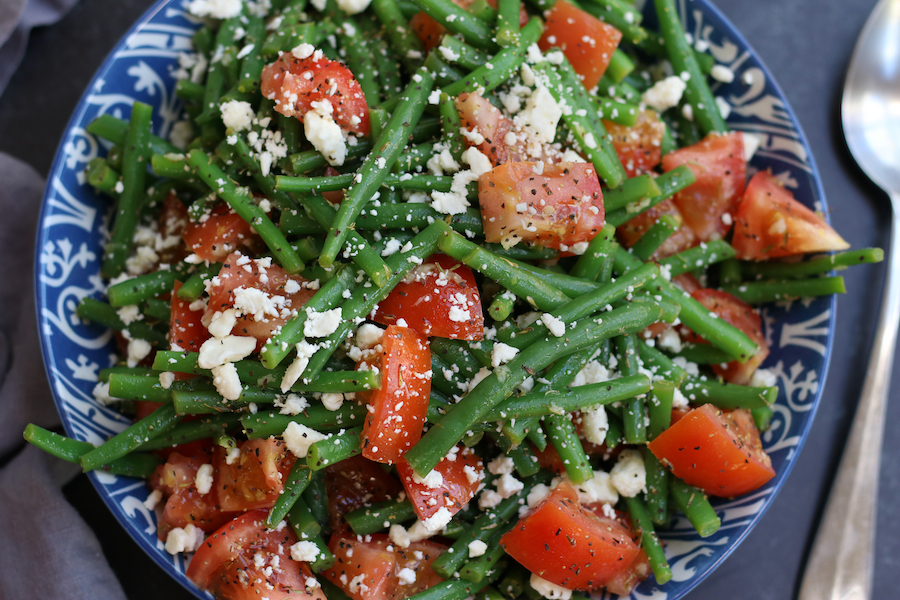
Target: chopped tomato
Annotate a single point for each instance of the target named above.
(295, 83)
(397, 409)
(586, 41)
(638, 146)
(172, 221)
(355, 482)
(567, 544)
(562, 206)
(740, 314)
(718, 451)
(770, 223)
(256, 478)
(184, 505)
(244, 560)
(477, 113)
(626, 580)
(682, 239)
(369, 568)
(223, 232)
(186, 331)
(438, 298)
(719, 166)
(281, 294)
(459, 480)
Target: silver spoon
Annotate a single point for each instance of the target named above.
(840, 566)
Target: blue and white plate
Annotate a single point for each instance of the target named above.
(69, 251)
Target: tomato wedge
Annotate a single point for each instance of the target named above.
(719, 166)
(770, 223)
(682, 239)
(638, 146)
(438, 298)
(460, 479)
(718, 451)
(568, 545)
(561, 206)
(477, 113)
(295, 83)
(220, 234)
(256, 478)
(586, 41)
(186, 330)
(740, 314)
(354, 482)
(244, 560)
(370, 568)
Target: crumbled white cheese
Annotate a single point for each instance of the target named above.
(670, 340)
(129, 314)
(237, 115)
(291, 404)
(763, 378)
(368, 335)
(438, 520)
(304, 551)
(153, 499)
(299, 438)
(231, 348)
(502, 465)
(722, 73)
(406, 576)
(541, 114)
(537, 495)
(752, 142)
(226, 380)
(203, 481)
(432, 481)
(478, 163)
(477, 548)
(456, 200)
(555, 325)
(137, 351)
(353, 7)
(324, 134)
(222, 323)
(595, 424)
(549, 590)
(166, 379)
(665, 94)
(305, 351)
(322, 324)
(629, 475)
(507, 485)
(188, 539)
(303, 50)
(332, 400)
(217, 9)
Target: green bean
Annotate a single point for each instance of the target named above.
(591, 302)
(332, 183)
(239, 199)
(360, 61)
(696, 507)
(103, 375)
(622, 90)
(266, 183)
(134, 172)
(157, 309)
(438, 440)
(667, 144)
(508, 22)
(376, 166)
(387, 65)
(500, 67)
(649, 541)
(523, 252)
(590, 263)
(296, 482)
(102, 176)
(613, 432)
(476, 569)
(191, 431)
(698, 257)
(217, 72)
(557, 402)
(654, 237)
(669, 184)
(760, 292)
(316, 498)
(151, 426)
(195, 285)
(660, 364)
(301, 518)
(451, 126)
(817, 266)
(703, 354)
(634, 411)
(620, 14)
(334, 449)
(620, 65)
(457, 51)
(632, 190)
(762, 416)
(455, 352)
(134, 465)
(210, 401)
(522, 283)
(683, 59)
(501, 306)
(727, 396)
(116, 130)
(104, 314)
(264, 424)
(379, 516)
(458, 589)
(459, 21)
(138, 289)
(396, 27)
(252, 64)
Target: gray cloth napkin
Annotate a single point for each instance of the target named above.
(17, 19)
(46, 549)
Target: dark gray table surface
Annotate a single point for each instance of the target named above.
(806, 44)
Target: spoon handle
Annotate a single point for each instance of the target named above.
(841, 563)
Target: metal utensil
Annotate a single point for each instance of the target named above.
(841, 564)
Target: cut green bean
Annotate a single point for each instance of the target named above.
(396, 26)
(654, 237)
(633, 190)
(459, 21)
(634, 411)
(727, 396)
(761, 292)
(301, 518)
(139, 289)
(669, 183)
(296, 482)
(195, 285)
(156, 423)
(192, 431)
(698, 257)
(374, 518)
(816, 266)
(334, 449)
(266, 423)
(649, 540)
(696, 507)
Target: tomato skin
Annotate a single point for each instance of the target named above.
(186, 330)
(172, 221)
(237, 273)
(379, 562)
(295, 83)
(638, 146)
(228, 563)
(219, 235)
(256, 478)
(718, 451)
(682, 239)
(455, 490)
(718, 163)
(572, 209)
(424, 300)
(477, 112)
(398, 408)
(740, 314)
(567, 544)
(770, 223)
(566, 27)
(354, 482)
